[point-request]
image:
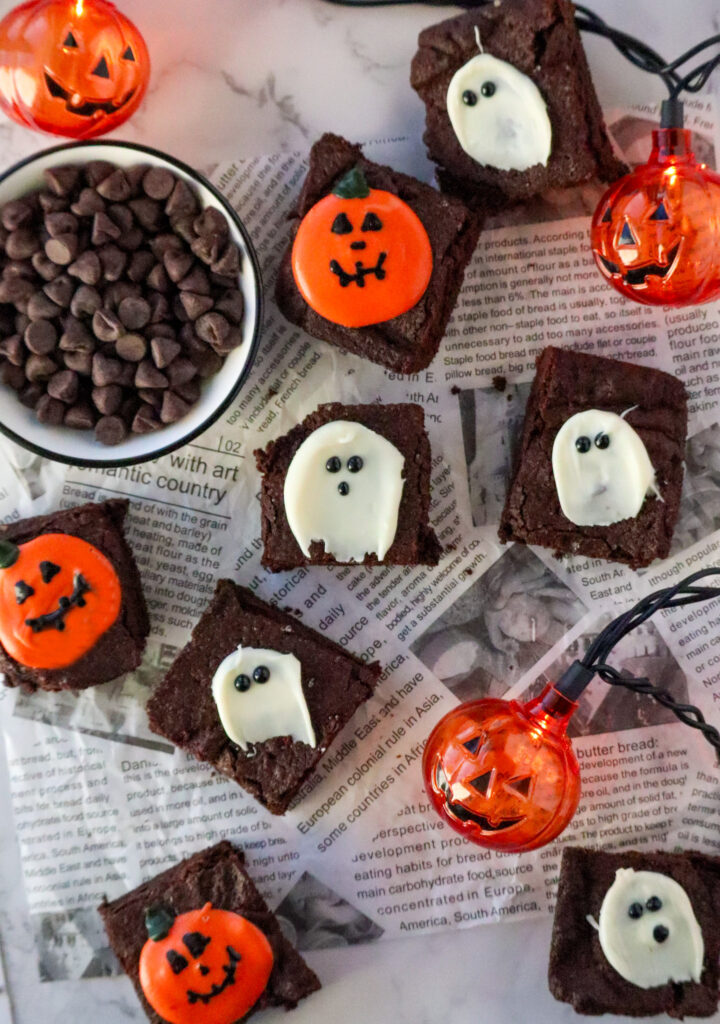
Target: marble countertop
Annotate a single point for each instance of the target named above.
(235, 78)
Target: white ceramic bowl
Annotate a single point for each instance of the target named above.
(79, 447)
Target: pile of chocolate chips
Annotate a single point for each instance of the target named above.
(118, 296)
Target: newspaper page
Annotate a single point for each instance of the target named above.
(101, 803)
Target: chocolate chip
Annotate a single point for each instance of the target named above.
(41, 337)
(41, 307)
(61, 290)
(208, 248)
(146, 212)
(131, 347)
(86, 300)
(17, 291)
(39, 367)
(21, 244)
(148, 376)
(158, 279)
(161, 244)
(127, 377)
(180, 371)
(47, 270)
(76, 337)
(62, 180)
(208, 363)
(232, 305)
(80, 416)
(163, 351)
(63, 249)
(177, 263)
(115, 187)
(182, 200)
(113, 262)
(14, 350)
(159, 308)
(173, 407)
(212, 222)
(50, 411)
(122, 215)
(64, 385)
(97, 171)
(16, 213)
(189, 392)
(195, 305)
(119, 290)
(107, 400)
(104, 229)
(19, 268)
(105, 370)
(135, 175)
(158, 183)
(183, 226)
(110, 430)
(87, 267)
(80, 362)
(134, 312)
(233, 339)
(212, 328)
(13, 376)
(228, 264)
(196, 281)
(131, 240)
(141, 263)
(152, 397)
(88, 203)
(58, 224)
(145, 420)
(31, 394)
(106, 326)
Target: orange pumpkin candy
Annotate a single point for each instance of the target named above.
(361, 255)
(203, 967)
(58, 595)
(72, 67)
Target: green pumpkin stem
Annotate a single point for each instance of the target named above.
(352, 185)
(9, 554)
(158, 921)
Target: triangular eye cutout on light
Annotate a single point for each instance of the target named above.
(521, 786)
(606, 217)
(70, 40)
(626, 236)
(473, 745)
(482, 783)
(128, 55)
(660, 214)
(102, 70)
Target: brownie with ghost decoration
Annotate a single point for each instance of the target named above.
(217, 876)
(624, 964)
(511, 110)
(559, 466)
(230, 720)
(72, 610)
(359, 498)
(376, 258)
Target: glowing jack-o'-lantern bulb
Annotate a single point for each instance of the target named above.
(71, 67)
(203, 967)
(504, 774)
(656, 232)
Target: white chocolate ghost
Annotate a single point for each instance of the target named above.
(259, 695)
(343, 487)
(648, 931)
(602, 469)
(499, 115)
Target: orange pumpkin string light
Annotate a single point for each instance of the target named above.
(71, 67)
(504, 775)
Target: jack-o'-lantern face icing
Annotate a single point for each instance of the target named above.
(203, 967)
(648, 930)
(58, 595)
(361, 255)
(498, 115)
(73, 67)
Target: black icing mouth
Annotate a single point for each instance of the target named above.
(230, 969)
(635, 277)
(462, 813)
(89, 108)
(56, 619)
(361, 272)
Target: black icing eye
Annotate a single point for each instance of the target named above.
(660, 932)
(261, 674)
(102, 70)
(343, 488)
(128, 55)
(341, 225)
(333, 464)
(242, 683)
(583, 444)
(177, 961)
(469, 98)
(635, 910)
(355, 464)
(626, 235)
(371, 222)
(48, 570)
(473, 745)
(23, 591)
(602, 441)
(660, 214)
(488, 89)
(606, 217)
(70, 41)
(654, 903)
(196, 943)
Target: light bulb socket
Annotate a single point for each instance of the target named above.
(574, 680)
(672, 113)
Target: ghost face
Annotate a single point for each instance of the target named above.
(499, 115)
(602, 469)
(259, 695)
(343, 488)
(648, 931)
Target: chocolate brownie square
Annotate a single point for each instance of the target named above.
(183, 709)
(580, 973)
(655, 406)
(540, 40)
(217, 876)
(404, 343)
(413, 542)
(75, 614)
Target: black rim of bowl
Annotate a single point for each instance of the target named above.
(155, 453)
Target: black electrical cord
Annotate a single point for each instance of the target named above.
(580, 673)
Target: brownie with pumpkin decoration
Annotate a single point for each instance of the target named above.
(72, 610)
(201, 946)
(376, 258)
